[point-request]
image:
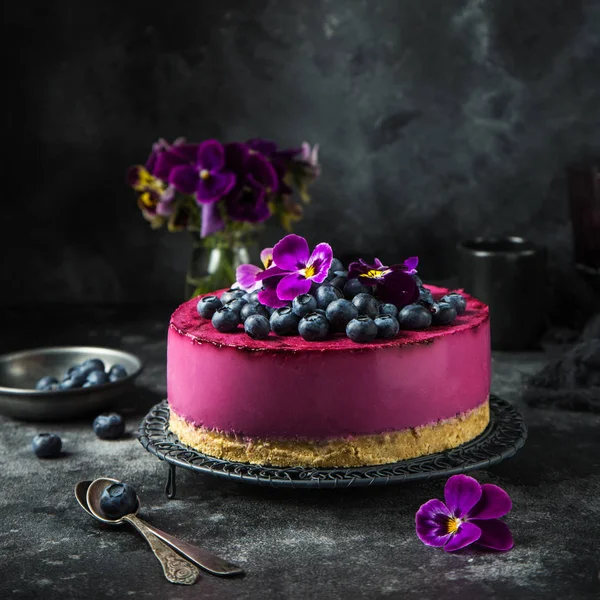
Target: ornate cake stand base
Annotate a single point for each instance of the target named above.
(505, 434)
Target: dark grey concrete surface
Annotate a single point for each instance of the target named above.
(438, 120)
(294, 545)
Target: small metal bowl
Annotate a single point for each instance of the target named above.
(20, 371)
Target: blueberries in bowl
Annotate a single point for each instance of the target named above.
(85, 375)
(118, 500)
(46, 445)
(109, 426)
(46, 383)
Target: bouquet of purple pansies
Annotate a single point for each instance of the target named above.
(213, 187)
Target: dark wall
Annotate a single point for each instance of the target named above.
(437, 121)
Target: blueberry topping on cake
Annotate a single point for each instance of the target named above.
(443, 313)
(388, 309)
(226, 320)
(361, 330)
(414, 317)
(457, 300)
(387, 327)
(326, 294)
(304, 305)
(353, 287)
(251, 308)
(231, 294)
(366, 305)
(314, 326)
(284, 322)
(339, 313)
(208, 306)
(257, 327)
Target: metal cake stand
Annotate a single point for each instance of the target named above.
(505, 434)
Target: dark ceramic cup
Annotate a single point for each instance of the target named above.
(508, 274)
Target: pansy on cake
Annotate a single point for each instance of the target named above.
(307, 362)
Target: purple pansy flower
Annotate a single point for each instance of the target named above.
(297, 267)
(470, 515)
(161, 145)
(395, 284)
(198, 170)
(245, 275)
(256, 181)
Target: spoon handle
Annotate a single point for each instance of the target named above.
(176, 568)
(209, 562)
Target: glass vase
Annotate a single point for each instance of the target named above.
(213, 263)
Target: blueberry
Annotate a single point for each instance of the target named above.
(320, 311)
(46, 445)
(388, 309)
(326, 294)
(88, 384)
(414, 316)
(339, 281)
(236, 304)
(457, 300)
(92, 364)
(304, 305)
(226, 320)
(118, 500)
(253, 299)
(257, 327)
(339, 313)
(253, 309)
(109, 426)
(361, 330)
(314, 326)
(231, 294)
(117, 372)
(97, 378)
(366, 305)
(387, 326)
(72, 383)
(284, 322)
(45, 383)
(336, 265)
(443, 313)
(418, 281)
(207, 306)
(425, 297)
(354, 287)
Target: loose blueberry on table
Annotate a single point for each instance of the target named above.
(316, 297)
(46, 445)
(110, 426)
(118, 500)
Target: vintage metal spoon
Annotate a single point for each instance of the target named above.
(176, 569)
(204, 559)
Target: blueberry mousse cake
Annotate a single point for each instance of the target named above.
(308, 362)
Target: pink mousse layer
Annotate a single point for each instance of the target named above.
(288, 387)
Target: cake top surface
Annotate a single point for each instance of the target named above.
(188, 322)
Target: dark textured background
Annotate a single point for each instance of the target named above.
(437, 121)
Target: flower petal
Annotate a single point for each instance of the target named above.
(461, 494)
(266, 257)
(272, 271)
(292, 285)
(431, 523)
(398, 287)
(320, 260)
(411, 264)
(495, 534)
(268, 295)
(245, 275)
(248, 204)
(166, 162)
(211, 220)
(291, 253)
(266, 147)
(187, 152)
(494, 503)
(467, 534)
(184, 178)
(215, 187)
(262, 171)
(211, 155)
